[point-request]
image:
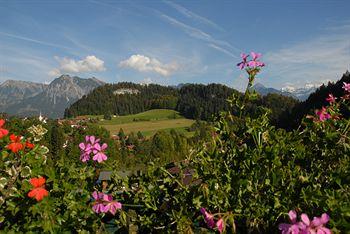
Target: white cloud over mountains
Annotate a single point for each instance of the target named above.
(67, 65)
(315, 61)
(146, 81)
(143, 63)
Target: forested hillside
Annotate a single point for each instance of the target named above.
(292, 118)
(193, 101)
(197, 101)
(123, 99)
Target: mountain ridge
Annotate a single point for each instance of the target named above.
(298, 93)
(50, 100)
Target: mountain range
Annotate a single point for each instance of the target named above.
(25, 98)
(28, 98)
(298, 93)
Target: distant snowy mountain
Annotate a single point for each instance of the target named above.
(262, 90)
(299, 93)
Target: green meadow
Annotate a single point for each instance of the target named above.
(148, 122)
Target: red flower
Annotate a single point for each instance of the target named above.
(15, 144)
(39, 191)
(29, 145)
(3, 132)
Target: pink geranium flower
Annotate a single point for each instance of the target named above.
(112, 207)
(98, 208)
(220, 225)
(323, 115)
(243, 64)
(104, 203)
(305, 226)
(92, 145)
(290, 228)
(331, 99)
(92, 140)
(255, 56)
(209, 218)
(316, 225)
(255, 63)
(85, 150)
(346, 86)
(98, 150)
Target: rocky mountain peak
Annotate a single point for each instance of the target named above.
(28, 98)
(12, 91)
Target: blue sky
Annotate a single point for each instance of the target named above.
(171, 42)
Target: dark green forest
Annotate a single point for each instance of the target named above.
(193, 101)
(104, 100)
(198, 101)
(291, 119)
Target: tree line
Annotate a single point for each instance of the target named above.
(193, 101)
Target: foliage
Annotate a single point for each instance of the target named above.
(244, 178)
(250, 176)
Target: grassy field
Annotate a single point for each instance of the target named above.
(148, 122)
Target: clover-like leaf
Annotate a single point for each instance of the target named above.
(12, 171)
(13, 191)
(26, 171)
(3, 182)
(44, 149)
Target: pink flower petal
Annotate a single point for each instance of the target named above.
(92, 139)
(98, 208)
(292, 216)
(324, 230)
(82, 146)
(104, 146)
(324, 218)
(305, 219)
(244, 56)
(346, 86)
(255, 56)
(95, 195)
(220, 225)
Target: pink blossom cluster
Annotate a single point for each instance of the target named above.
(92, 146)
(252, 64)
(346, 87)
(305, 226)
(209, 219)
(104, 203)
(324, 114)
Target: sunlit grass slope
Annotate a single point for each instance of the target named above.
(148, 122)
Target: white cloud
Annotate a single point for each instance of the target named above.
(184, 11)
(34, 40)
(146, 64)
(55, 72)
(196, 33)
(146, 81)
(223, 50)
(67, 65)
(318, 60)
